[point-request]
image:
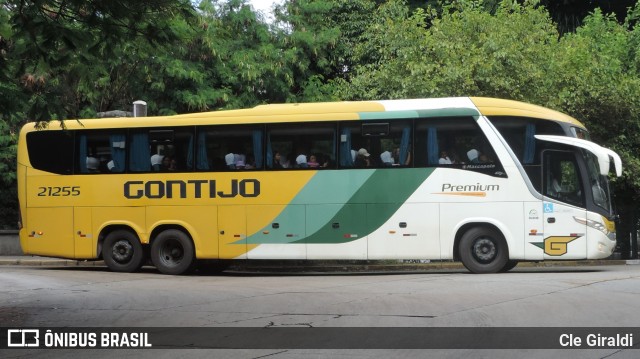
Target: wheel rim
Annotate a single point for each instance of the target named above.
(171, 253)
(122, 251)
(484, 250)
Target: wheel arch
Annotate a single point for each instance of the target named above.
(484, 223)
(109, 228)
(166, 226)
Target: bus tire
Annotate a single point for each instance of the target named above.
(509, 266)
(172, 252)
(122, 251)
(483, 250)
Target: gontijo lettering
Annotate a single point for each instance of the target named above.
(205, 188)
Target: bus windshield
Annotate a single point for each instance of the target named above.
(599, 183)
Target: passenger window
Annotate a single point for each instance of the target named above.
(301, 146)
(100, 151)
(519, 133)
(455, 142)
(161, 150)
(229, 148)
(51, 151)
(172, 149)
(380, 144)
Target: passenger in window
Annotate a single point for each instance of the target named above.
(301, 161)
(313, 162)
(473, 155)
(250, 164)
(156, 162)
(240, 160)
(166, 163)
(444, 158)
(276, 160)
(386, 158)
(325, 161)
(455, 158)
(396, 157)
(284, 162)
(229, 159)
(103, 164)
(483, 158)
(93, 164)
(363, 158)
(279, 161)
(169, 164)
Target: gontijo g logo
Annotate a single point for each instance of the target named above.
(556, 245)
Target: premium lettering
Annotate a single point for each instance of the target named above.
(448, 187)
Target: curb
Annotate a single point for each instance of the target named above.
(44, 261)
(316, 266)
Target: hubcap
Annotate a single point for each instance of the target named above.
(484, 249)
(172, 253)
(122, 251)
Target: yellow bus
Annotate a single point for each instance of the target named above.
(488, 182)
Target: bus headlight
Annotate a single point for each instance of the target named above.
(594, 224)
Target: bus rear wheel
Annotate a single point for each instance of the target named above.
(172, 252)
(483, 250)
(122, 251)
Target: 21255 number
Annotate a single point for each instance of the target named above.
(58, 191)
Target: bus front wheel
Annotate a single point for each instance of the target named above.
(122, 251)
(483, 250)
(172, 252)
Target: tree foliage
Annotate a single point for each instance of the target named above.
(60, 47)
(67, 59)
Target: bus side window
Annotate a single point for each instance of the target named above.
(171, 149)
(229, 148)
(380, 143)
(452, 141)
(301, 146)
(100, 152)
(41, 155)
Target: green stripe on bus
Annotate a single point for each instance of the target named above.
(329, 189)
(425, 113)
(448, 112)
(387, 115)
(371, 206)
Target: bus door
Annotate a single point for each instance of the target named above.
(232, 232)
(563, 202)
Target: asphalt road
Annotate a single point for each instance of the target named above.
(585, 296)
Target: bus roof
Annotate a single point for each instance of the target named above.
(499, 107)
(332, 111)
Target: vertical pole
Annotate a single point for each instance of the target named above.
(634, 233)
